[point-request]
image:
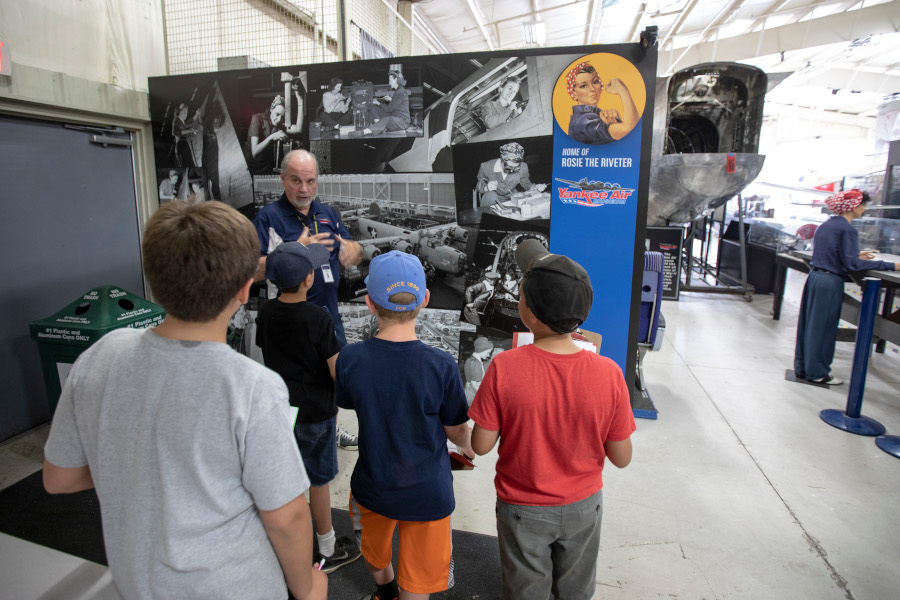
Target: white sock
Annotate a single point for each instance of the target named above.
(326, 543)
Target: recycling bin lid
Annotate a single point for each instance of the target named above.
(95, 314)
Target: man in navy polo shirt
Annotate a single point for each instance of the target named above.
(298, 216)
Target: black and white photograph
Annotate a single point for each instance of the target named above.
(277, 123)
(502, 99)
(493, 278)
(477, 347)
(411, 212)
(440, 328)
(181, 126)
(504, 178)
(235, 126)
(367, 104)
(185, 183)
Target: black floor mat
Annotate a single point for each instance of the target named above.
(71, 523)
(790, 376)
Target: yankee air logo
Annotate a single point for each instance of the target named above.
(592, 193)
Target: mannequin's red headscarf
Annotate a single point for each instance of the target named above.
(843, 202)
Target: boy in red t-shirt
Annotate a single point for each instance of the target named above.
(542, 400)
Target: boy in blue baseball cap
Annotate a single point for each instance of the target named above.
(298, 342)
(409, 401)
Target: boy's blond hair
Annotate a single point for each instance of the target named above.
(197, 257)
(398, 317)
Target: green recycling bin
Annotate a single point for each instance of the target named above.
(62, 337)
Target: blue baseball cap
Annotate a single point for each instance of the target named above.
(393, 273)
(291, 262)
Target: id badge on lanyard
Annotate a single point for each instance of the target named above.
(327, 275)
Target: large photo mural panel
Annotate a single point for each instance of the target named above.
(453, 158)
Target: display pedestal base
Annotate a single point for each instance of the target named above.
(890, 444)
(859, 425)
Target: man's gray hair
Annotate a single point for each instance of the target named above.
(287, 158)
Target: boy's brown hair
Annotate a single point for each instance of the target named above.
(398, 317)
(197, 257)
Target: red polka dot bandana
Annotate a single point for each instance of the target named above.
(843, 202)
(572, 74)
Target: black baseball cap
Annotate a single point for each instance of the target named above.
(556, 288)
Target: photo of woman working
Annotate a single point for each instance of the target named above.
(391, 113)
(336, 105)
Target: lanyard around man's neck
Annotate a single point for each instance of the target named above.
(305, 222)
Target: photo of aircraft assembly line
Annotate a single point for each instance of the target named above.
(436, 327)
(411, 212)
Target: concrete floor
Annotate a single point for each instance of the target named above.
(738, 490)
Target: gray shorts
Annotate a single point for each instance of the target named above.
(550, 551)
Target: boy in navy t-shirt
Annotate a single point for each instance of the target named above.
(409, 400)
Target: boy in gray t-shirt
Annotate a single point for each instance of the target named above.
(188, 443)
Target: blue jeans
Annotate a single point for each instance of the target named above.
(550, 550)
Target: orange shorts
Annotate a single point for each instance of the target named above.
(423, 564)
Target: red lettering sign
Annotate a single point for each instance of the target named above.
(5, 63)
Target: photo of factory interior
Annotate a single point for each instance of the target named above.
(494, 299)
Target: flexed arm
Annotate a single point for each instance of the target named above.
(629, 116)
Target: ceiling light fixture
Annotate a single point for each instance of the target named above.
(535, 32)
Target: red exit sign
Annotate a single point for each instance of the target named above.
(5, 64)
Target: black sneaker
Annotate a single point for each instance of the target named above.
(345, 552)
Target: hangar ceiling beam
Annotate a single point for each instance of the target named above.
(642, 10)
(676, 26)
(761, 21)
(856, 80)
(476, 13)
(589, 27)
(720, 19)
(811, 9)
(872, 20)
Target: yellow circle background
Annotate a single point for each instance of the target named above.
(607, 66)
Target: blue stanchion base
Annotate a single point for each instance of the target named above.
(859, 425)
(890, 444)
(644, 414)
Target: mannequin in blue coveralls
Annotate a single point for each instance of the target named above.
(835, 254)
